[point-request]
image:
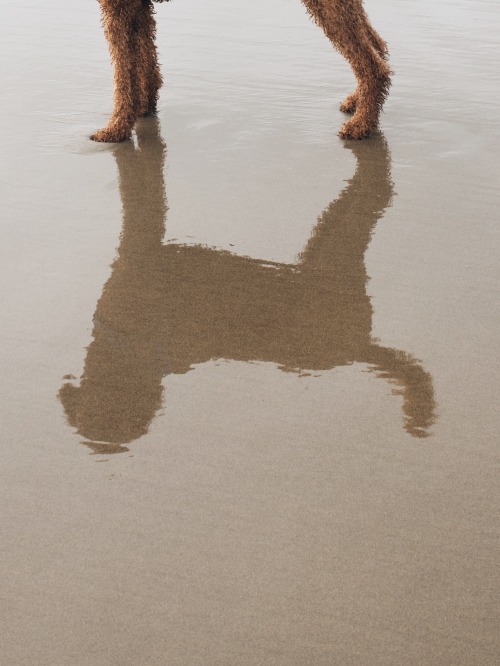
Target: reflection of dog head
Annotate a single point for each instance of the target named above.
(166, 308)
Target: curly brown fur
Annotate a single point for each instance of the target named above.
(130, 29)
(347, 26)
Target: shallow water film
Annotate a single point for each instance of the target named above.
(281, 348)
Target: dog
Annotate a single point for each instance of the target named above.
(130, 29)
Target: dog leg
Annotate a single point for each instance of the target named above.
(120, 21)
(149, 79)
(349, 103)
(346, 25)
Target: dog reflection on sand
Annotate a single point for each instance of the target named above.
(168, 307)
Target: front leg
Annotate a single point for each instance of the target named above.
(119, 21)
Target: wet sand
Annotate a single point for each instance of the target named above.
(282, 349)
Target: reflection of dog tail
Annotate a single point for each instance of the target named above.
(414, 384)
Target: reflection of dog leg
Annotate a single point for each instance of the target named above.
(340, 238)
(348, 28)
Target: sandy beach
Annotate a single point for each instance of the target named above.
(281, 348)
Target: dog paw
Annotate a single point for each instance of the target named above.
(111, 135)
(349, 104)
(354, 129)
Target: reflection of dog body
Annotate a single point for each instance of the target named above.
(168, 307)
(130, 29)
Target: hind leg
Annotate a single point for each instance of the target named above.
(120, 26)
(348, 105)
(148, 78)
(380, 46)
(373, 76)
(345, 24)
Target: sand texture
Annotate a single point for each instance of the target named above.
(281, 348)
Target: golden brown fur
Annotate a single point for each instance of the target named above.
(130, 30)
